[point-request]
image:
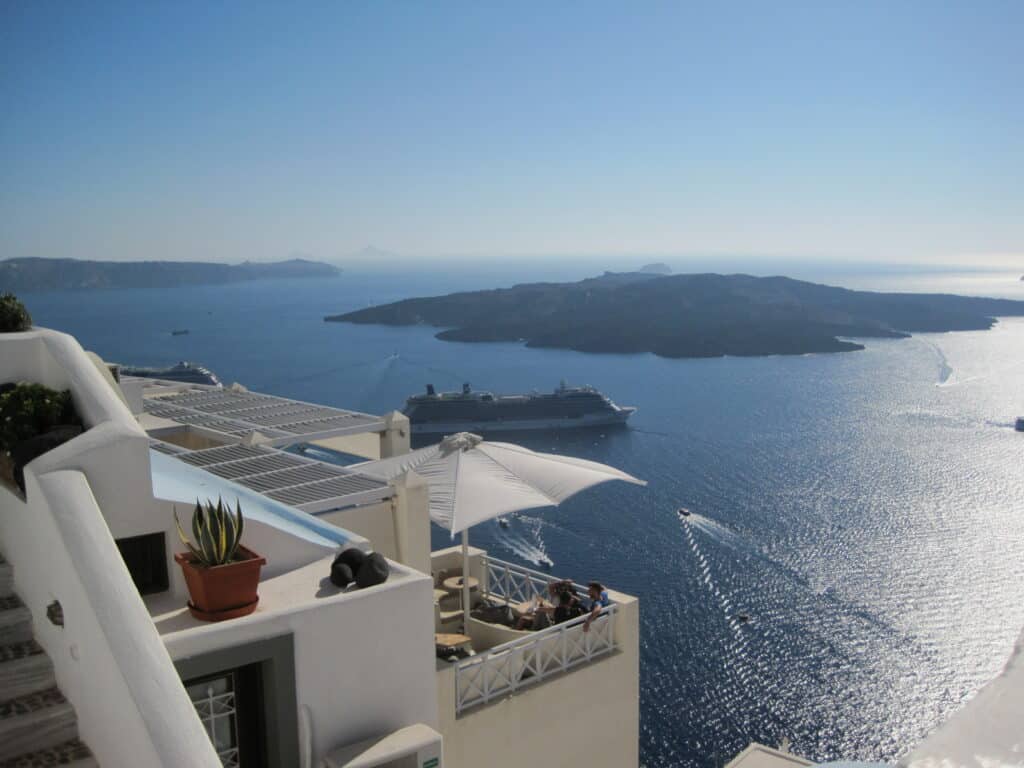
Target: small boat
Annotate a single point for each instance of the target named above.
(503, 521)
(1019, 424)
(180, 332)
(742, 618)
(545, 563)
(683, 512)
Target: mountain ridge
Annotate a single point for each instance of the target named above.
(686, 315)
(39, 274)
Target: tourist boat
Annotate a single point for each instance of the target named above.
(468, 411)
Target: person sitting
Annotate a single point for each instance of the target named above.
(598, 601)
(568, 608)
(538, 618)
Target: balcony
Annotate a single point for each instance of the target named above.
(503, 660)
(515, 682)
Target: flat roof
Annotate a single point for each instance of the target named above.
(233, 414)
(296, 481)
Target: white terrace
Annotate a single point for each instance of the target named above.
(337, 677)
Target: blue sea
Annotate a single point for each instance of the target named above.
(865, 510)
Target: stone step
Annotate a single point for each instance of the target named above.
(24, 669)
(15, 621)
(6, 578)
(33, 722)
(69, 754)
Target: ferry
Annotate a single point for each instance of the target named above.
(470, 411)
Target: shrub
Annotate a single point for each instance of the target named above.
(13, 315)
(33, 420)
(27, 410)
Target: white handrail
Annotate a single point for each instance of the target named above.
(506, 668)
(514, 583)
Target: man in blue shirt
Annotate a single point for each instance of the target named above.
(598, 599)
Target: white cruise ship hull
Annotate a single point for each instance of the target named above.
(508, 425)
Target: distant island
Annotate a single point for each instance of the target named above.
(23, 275)
(700, 315)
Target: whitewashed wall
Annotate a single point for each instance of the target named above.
(588, 717)
(364, 660)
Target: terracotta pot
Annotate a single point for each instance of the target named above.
(222, 591)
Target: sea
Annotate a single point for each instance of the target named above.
(863, 511)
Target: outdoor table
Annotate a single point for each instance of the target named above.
(453, 584)
(452, 640)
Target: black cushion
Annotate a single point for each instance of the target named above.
(353, 558)
(373, 571)
(341, 574)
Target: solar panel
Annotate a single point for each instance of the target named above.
(269, 463)
(286, 478)
(222, 454)
(238, 413)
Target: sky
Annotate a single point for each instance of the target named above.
(859, 131)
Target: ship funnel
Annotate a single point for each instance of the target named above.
(430, 389)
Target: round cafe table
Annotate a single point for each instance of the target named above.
(453, 584)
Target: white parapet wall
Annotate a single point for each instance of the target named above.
(364, 660)
(108, 659)
(399, 527)
(601, 699)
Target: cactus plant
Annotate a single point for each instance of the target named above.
(216, 530)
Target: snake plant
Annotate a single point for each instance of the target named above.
(216, 530)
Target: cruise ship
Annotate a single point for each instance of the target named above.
(565, 408)
(184, 371)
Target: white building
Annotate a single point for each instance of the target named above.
(102, 662)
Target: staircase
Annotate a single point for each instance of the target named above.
(38, 727)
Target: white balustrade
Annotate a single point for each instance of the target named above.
(512, 666)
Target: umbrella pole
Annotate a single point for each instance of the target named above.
(465, 580)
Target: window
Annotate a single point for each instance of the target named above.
(146, 558)
(231, 708)
(245, 697)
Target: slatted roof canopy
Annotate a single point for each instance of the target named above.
(310, 485)
(238, 413)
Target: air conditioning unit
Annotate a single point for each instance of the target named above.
(416, 746)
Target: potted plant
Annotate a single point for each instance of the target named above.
(222, 576)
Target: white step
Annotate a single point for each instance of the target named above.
(15, 621)
(24, 669)
(69, 754)
(36, 721)
(6, 578)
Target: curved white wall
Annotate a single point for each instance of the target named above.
(108, 659)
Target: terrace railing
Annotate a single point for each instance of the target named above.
(512, 666)
(515, 584)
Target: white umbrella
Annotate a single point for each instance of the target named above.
(472, 480)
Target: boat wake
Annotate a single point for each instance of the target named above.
(532, 551)
(945, 369)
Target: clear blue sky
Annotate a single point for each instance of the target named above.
(859, 130)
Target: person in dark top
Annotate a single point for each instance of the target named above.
(567, 608)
